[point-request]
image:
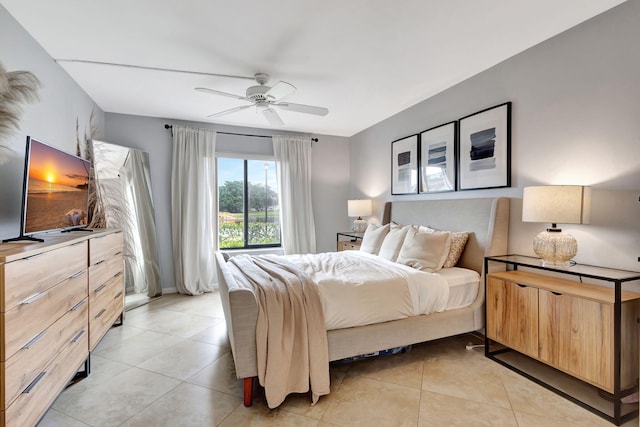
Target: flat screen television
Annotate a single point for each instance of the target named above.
(55, 193)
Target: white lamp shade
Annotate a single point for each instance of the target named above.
(362, 207)
(557, 204)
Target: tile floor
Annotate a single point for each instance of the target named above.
(169, 365)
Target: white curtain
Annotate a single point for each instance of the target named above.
(193, 218)
(293, 164)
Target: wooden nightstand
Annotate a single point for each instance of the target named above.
(352, 244)
(588, 331)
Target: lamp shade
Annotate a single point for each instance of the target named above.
(557, 204)
(361, 207)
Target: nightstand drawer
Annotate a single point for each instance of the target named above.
(26, 278)
(346, 245)
(104, 271)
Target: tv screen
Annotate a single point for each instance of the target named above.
(56, 189)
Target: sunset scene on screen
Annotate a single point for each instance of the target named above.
(57, 189)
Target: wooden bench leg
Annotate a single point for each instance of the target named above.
(248, 390)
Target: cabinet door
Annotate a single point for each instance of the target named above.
(576, 336)
(512, 315)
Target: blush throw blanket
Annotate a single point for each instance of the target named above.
(291, 339)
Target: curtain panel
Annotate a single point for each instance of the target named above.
(293, 164)
(193, 201)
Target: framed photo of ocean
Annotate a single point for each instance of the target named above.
(484, 155)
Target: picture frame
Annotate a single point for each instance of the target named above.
(438, 158)
(404, 165)
(484, 153)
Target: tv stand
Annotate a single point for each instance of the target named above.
(22, 237)
(68, 230)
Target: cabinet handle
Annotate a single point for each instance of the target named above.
(35, 256)
(77, 243)
(118, 253)
(521, 285)
(78, 305)
(77, 337)
(33, 383)
(100, 313)
(118, 296)
(33, 298)
(34, 340)
(119, 273)
(101, 287)
(99, 262)
(556, 293)
(78, 274)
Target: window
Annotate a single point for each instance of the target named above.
(248, 211)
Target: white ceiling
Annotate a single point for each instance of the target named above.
(363, 60)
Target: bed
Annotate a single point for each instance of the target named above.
(486, 220)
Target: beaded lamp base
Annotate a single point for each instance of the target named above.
(555, 248)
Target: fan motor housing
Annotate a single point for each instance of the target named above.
(256, 93)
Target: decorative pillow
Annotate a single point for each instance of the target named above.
(393, 242)
(425, 251)
(373, 237)
(458, 242)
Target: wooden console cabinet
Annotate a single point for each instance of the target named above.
(585, 330)
(46, 328)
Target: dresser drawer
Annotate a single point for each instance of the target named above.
(24, 323)
(101, 297)
(35, 399)
(25, 366)
(103, 247)
(102, 318)
(104, 271)
(27, 277)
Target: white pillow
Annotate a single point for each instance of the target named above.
(425, 251)
(393, 242)
(373, 237)
(458, 242)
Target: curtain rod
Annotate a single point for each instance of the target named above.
(240, 134)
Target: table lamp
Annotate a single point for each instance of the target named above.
(565, 204)
(359, 208)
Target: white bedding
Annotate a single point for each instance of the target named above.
(463, 286)
(357, 288)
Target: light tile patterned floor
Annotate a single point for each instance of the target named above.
(169, 365)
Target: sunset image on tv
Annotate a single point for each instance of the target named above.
(57, 189)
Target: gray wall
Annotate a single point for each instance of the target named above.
(52, 119)
(576, 120)
(330, 175)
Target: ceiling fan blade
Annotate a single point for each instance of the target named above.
(217, 92)
(301, 108)
(272, 117)
(279, 91)
(231, 110)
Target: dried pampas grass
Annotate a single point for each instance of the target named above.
(16, 88)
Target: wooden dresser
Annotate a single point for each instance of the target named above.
(56, 299)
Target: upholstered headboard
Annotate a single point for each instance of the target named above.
(486, 219)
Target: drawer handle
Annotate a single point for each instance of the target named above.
(78, 243)
(119, 273)
(556, 293)
(99, 262)
(118, 253)
(34, 340)
(33, 298)
(521, 285)
(101, 287)
(100, 313)
(78, 274)
(78, 305)
(35, 256)
(34, 383)
(77, 337)
(118, 296)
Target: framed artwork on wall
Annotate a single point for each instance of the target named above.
(437, 158)
(484, 155)
(404, 165)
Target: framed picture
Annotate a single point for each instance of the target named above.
(404, 165)
(437, 158)
(484, 154)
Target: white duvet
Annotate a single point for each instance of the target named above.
(357, 288)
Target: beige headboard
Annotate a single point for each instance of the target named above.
(487, 220)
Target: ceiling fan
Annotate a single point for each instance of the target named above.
(265, 97)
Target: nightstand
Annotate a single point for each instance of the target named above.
(352, 244)
(577, 339)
